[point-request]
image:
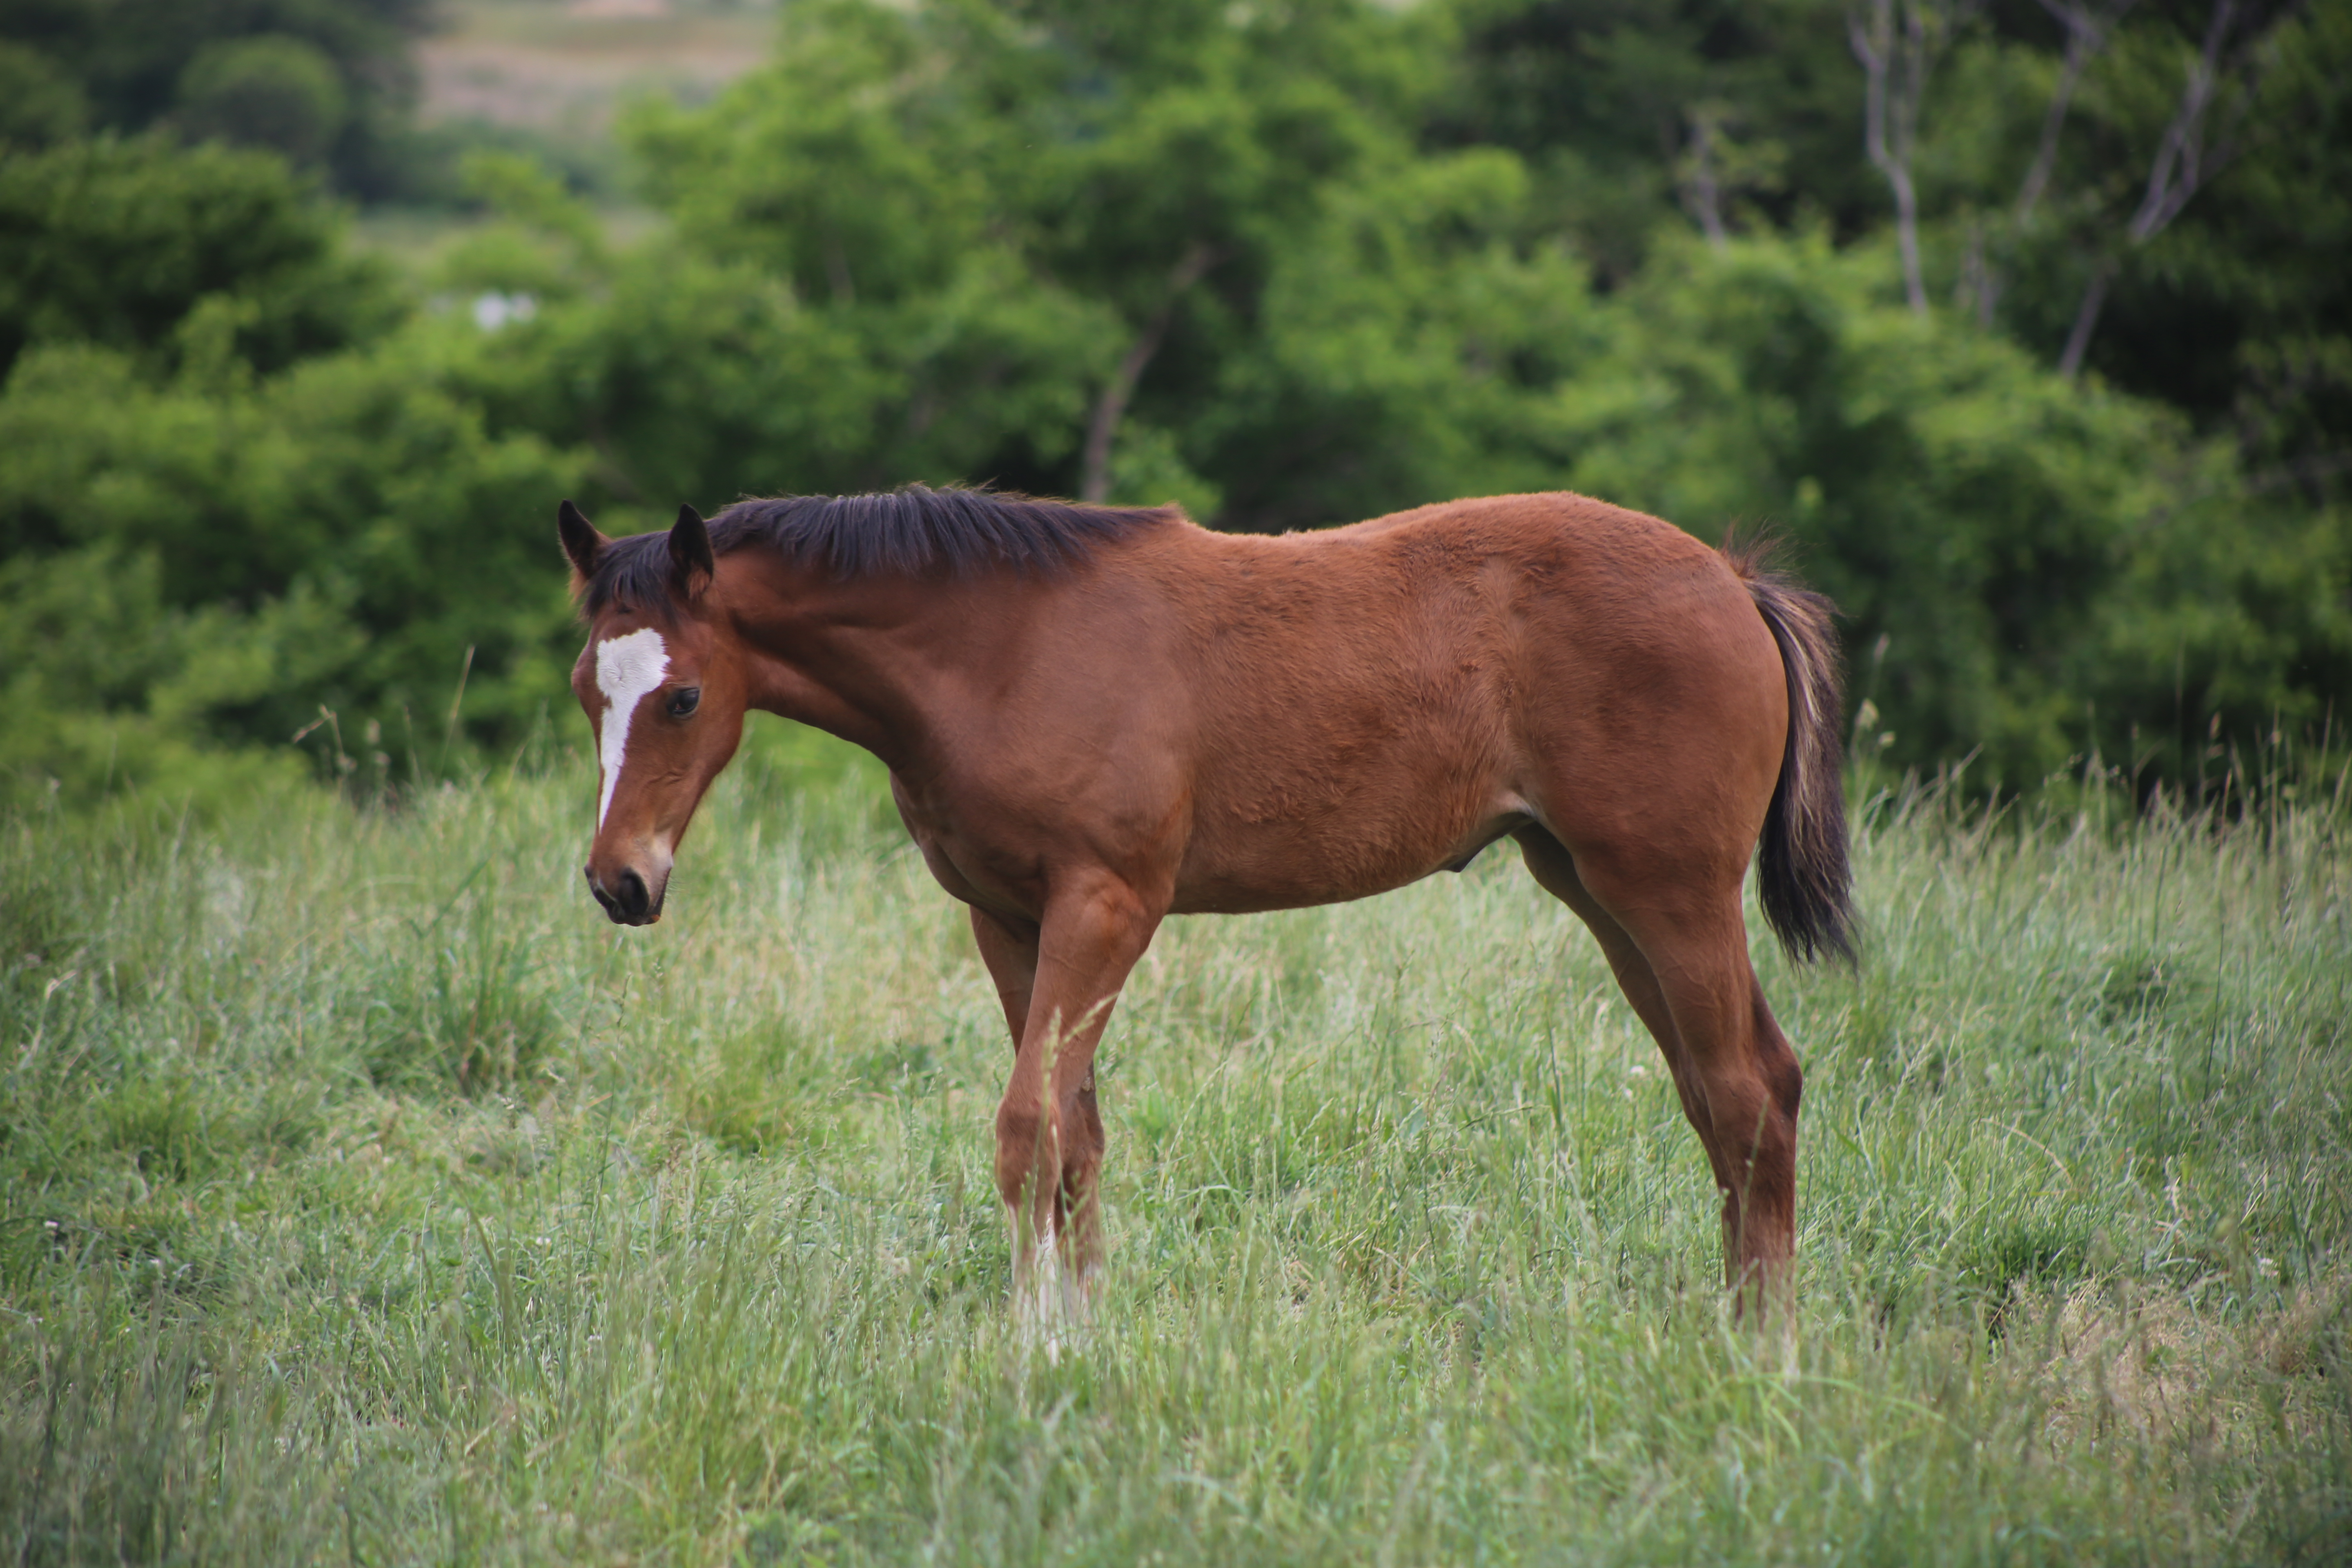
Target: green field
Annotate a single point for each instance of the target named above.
(364, 1196)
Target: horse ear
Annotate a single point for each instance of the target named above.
(692, 563)
(581, 543)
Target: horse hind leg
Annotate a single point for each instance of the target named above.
(1682, 965)
(1748, 1087)
(1080, 1217)
(1554, 870)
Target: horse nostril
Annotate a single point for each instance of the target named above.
(604, 901)
(626, 901)
(631, 901)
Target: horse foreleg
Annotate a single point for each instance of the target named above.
(1049, 1135)
(1009, 949)
(1008, 946)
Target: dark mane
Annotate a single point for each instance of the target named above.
(903, 531)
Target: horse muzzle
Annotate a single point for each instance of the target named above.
(625, 897)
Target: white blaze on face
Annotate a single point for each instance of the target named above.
(626, 668)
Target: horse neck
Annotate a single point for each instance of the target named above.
(869, 660)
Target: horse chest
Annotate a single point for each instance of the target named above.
(996, 870)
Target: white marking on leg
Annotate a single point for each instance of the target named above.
(1042, 1305)
(628, 667)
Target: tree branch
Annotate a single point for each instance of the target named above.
(1875, 47)
(1702, 193)
(2184, 163)
(2086, 30)
(2086, 25)
(1094, 485)
(2086, 320)
(2179, 168)
(1895, 64)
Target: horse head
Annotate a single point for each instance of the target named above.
(665, 687)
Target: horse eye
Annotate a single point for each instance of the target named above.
(682, 703)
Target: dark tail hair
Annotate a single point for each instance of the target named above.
(1803, 878)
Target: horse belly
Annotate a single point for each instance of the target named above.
(1382, 835)
(1352, 753)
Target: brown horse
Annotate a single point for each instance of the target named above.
(1096, 717)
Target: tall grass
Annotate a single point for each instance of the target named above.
(364, 1197)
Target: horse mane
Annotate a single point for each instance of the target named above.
(904, 531)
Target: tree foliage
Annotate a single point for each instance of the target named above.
(140, 246)
(1290, 264)
(327, 83)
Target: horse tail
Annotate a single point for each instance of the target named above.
(1803, 876)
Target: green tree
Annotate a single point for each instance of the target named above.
(267, 90)
(1077, 245)
(234, 487)
(327, 80)
(2028, 568)
(39, 101)
(217, 562)
(125, 243)
(1291, 264)
(2165, 180)
(1634, 115)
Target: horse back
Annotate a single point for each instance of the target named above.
(1364, 705)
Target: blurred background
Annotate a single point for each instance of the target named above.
(2029, 322)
